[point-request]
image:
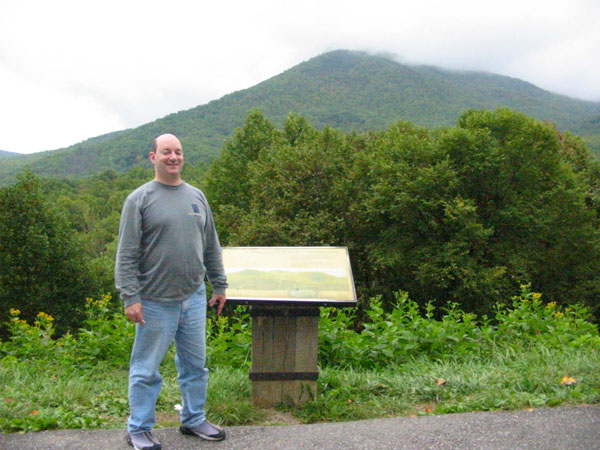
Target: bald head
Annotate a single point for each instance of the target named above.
(163, 137)
(167, 157)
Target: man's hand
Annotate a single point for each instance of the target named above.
(135, 314)
(220, 299)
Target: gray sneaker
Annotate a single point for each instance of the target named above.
(205, 430)
(143, 441)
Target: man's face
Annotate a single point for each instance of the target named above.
(168, 159)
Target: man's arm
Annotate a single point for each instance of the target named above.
(213, 261)
(126, 264)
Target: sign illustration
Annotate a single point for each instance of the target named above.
(321, 275)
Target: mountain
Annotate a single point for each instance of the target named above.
(343, 89)
(5, 154)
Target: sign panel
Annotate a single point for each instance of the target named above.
(319, 276)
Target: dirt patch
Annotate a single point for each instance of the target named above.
(274, 417)
(167, 419)
(421, 409)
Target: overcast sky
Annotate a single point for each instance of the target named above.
(71, 70)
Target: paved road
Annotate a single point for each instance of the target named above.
(564, 428)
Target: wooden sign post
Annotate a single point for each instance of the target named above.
(284, 354)
(285, 286)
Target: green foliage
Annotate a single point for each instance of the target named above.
(229, 339)
(530, 320)
(458, 214)
(43, 394)
(405, 333)
(516, 379)
(5, 154)
(300, 204)
(530, 191)
(228, 181)
(107, 335)
(382, 339)
(43, 265)
(28, 341)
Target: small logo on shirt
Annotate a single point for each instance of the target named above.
(196, 210)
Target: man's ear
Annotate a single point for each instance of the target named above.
(152, 157)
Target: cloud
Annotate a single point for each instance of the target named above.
(38, 117)
(104, 66)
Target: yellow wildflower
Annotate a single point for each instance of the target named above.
(568, 381)
(14, 312)
(43, 315)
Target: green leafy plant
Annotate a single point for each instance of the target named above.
(229, 339)
(28, 341)
(106, 335)
(532, 321)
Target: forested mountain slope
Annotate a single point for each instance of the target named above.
(344, 89)
(5, 154)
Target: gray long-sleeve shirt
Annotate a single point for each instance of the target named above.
(167, 244)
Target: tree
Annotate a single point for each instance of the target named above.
(227, 182)
(463, 214)
(293, 186)
(535, 193)
(43, 265)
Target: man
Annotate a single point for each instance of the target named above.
(167, 244)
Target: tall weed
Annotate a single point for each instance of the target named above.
(28, 341)
(106, 335)
(405, 333)
(229, 339)
(531, 322)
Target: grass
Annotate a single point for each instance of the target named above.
(518, 381)
(42, 395)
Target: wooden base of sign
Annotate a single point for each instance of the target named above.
(284, 354)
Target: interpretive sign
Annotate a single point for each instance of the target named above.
(319, 276)
(284, 287)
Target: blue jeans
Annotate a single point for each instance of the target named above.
(184, 322)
